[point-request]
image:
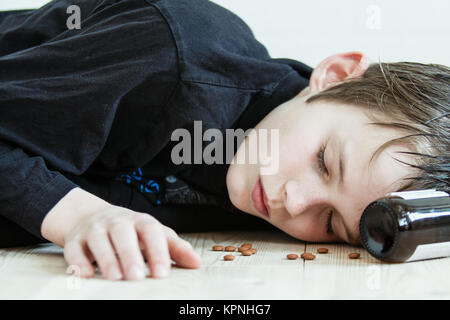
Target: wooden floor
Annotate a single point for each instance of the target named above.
(39, 272)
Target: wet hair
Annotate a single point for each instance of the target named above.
(413, 97)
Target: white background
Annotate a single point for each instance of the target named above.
(309, 31)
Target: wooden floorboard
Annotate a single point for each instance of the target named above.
(39, 272)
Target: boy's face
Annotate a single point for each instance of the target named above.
(299, 197)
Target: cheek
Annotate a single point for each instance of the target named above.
(241, 178)
(237, 185)
(296, 150)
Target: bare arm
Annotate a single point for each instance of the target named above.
(73, 207)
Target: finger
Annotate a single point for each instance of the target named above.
(156, 249)
(76, 256)
(125, 240)
(181, 251)
(100, 246)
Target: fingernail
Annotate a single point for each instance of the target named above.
(115, 274)
(136, 273)
(85, 272)
(161, 271)
(188, 244)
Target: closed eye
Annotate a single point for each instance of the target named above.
(324, 170)
(321, 160)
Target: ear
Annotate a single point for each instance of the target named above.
(337, 68)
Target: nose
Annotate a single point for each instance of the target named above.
(298, 197)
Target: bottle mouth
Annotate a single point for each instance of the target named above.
(378, 229)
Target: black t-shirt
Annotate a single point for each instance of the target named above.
(100, 103)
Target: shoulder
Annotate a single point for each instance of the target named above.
(216, 47)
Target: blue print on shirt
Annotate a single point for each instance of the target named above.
(151, 186)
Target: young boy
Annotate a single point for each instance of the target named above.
(88, 118)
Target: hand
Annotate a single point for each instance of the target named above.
(114, 236)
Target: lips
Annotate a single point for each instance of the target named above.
(260, 199)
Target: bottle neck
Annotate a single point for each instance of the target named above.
(392, 228)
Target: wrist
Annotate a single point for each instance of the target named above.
(75, 205)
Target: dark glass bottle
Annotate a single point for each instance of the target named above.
(407, 226)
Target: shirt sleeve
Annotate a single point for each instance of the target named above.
(28, 189)
(60, 90)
